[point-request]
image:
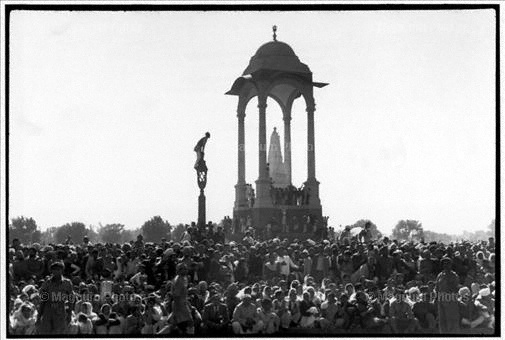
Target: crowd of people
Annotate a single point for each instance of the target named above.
(290, 195)
(308, 224)
(275, 286)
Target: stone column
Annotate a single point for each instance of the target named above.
(240, 188)
(287, 143)
(312, 184)
(262, 139)
(311, 158)
(263, 182)
(241, 147)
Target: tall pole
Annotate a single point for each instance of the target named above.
(201, 177)
(201, 209)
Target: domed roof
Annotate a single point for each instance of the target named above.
(275, 48)
(276, 56)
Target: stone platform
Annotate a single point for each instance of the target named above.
(261, 216)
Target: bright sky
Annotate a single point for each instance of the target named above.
(106, 108)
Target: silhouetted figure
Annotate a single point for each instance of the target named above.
(200, 150)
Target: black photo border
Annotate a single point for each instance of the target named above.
(181, 6)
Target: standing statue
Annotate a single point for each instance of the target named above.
(200, 152)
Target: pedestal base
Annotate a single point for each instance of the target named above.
(263, 199)
(262, 216)
(312, 185)
(240, 195)
(201, 209)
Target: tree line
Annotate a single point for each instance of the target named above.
(25, 229)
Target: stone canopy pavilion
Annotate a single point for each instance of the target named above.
(276, 72)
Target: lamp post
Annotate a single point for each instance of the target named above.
(201, 176)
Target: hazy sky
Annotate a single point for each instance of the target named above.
(106, 108)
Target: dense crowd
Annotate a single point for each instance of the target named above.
(308, 225)
(190, 287)
(290, 195)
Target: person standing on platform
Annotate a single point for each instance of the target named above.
(200, 149)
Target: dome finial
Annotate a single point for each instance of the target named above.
(274, 28)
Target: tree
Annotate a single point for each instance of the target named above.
(92, 234)
(36, 236)
(376, 234)
(130, 235)
(430, 236)
(111, 233)
(24, 229)
(155, 229)
(75, 230)
(177, 232)
(407, 230)
(492, 229)
(477, 236)
(47, 236)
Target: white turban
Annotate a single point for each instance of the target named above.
(485, 291)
